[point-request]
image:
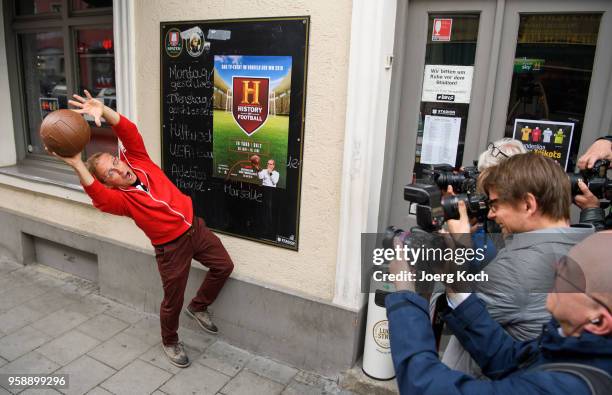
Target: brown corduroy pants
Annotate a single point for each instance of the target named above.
(174, 262)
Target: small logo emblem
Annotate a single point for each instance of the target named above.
(174, 44)
(195, 42)
(250, 102)
(381, 334)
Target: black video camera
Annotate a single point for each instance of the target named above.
(595, 178)
(462, 181)
(433, 209)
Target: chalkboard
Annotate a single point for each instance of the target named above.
(233, 96)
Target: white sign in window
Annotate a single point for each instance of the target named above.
(447, 84)
(440, 140)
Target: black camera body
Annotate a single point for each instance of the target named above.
(462, 181)
(433, 209)
(595, 178)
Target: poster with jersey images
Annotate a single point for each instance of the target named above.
(251, 118)
(233, 96)
(548, 138)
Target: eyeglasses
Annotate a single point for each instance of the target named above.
(113, 170)
(492, 203)
(496, 151)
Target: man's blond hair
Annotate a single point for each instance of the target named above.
(92, 164)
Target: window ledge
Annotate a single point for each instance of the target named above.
(44, 180)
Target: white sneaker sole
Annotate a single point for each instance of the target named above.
(189, 313)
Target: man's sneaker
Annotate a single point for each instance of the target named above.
(203, 319)
(176, 354)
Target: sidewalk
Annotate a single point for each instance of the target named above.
(53, 322)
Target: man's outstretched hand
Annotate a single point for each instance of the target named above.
(89, 106)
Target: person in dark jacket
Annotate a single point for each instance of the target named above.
(131, 184)
(591, 211)
(580, 333)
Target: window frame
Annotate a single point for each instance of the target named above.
(67, 22)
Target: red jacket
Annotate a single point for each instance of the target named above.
(164, 212)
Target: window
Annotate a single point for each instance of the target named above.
(60, 47)
(552, 73)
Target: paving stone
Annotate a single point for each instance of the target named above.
(7, 266)
(197, 340)
(85, 373)
(99, 391)
(119, 350)
(60, 322)
(297, 388)
(248, 383)
(21, 342)
(138, 377)
(31, 363)
(271, 369)
(196, 379)
(16, 296)
(3, 362)
(102, 327)
(87, 308)
(8, 283)
(68, 347)
(156, 356)
(147, 329)
(124, 314)
(50, 302)
(40, 391)
(18, 317)
(4, 392)
(225, 358)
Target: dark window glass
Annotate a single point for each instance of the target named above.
(96, 73)
(457, 49)
(42, 56)
(79, 5)
(33, 7)
(552, 71)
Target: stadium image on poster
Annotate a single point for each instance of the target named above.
(251, 118)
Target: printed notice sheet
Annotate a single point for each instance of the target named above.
(440, 140)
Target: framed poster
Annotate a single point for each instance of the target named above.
(233, 96)
(548, 138)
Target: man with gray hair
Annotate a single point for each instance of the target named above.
(498, 151)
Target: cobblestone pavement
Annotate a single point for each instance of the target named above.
(52, 322)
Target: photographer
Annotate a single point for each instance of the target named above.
(591, 211)
(533, 214)
(579, 336)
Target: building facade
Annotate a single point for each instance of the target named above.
(376, 113)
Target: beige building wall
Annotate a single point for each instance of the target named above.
(311, 271)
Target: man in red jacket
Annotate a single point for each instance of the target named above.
(131, 185)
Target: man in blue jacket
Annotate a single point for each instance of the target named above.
(580, 333)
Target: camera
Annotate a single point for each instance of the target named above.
(433, 209)
(462, 181)
(595, 178)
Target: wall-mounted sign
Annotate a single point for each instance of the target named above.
(551, 139)
(233, 96)
(447, 84)
(251, 123)
(442, 28)
(524, 65)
